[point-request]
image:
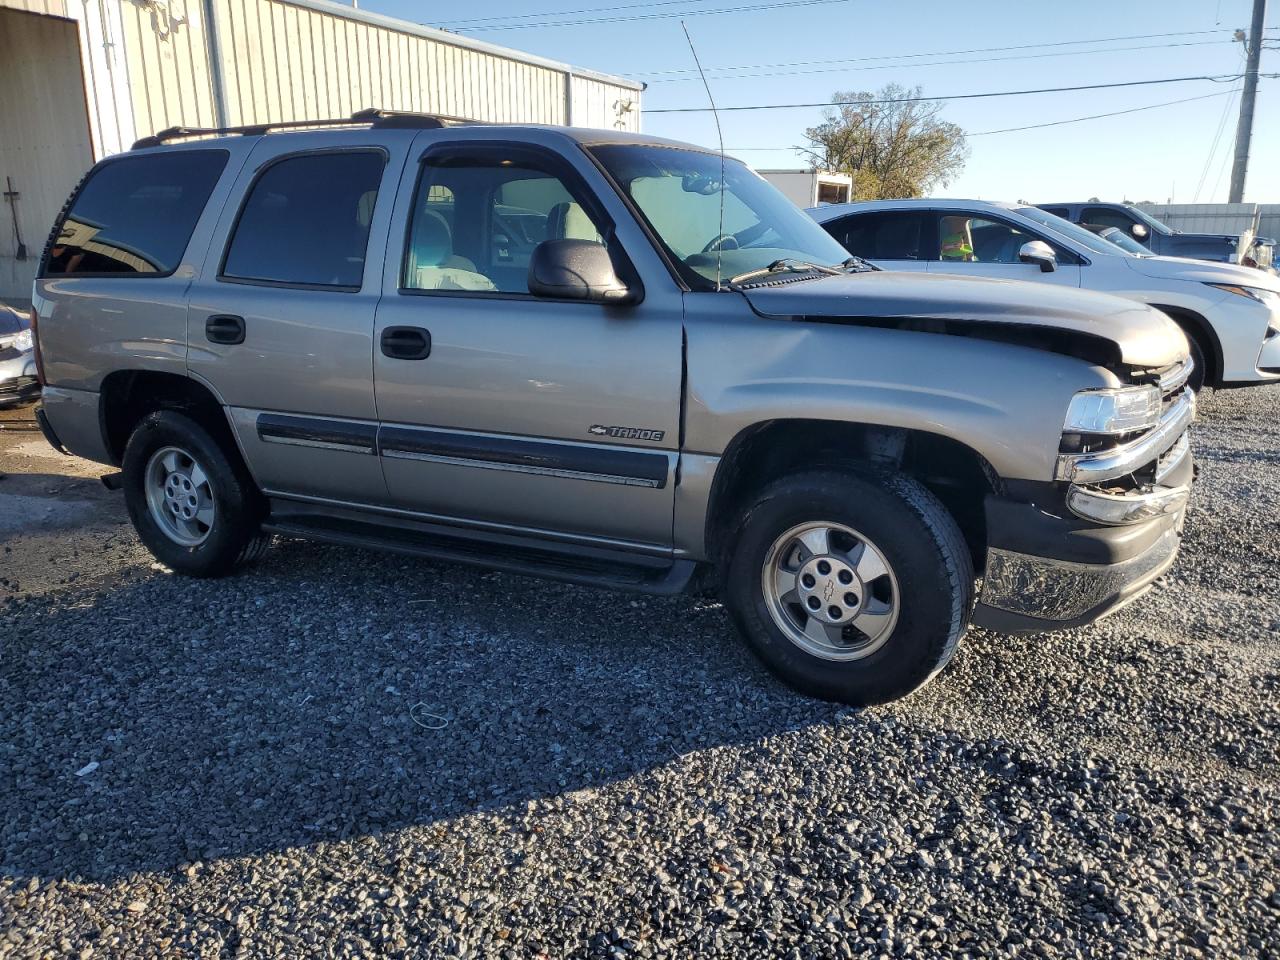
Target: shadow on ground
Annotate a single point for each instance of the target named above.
(331, 693)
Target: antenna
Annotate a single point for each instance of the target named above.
(719, 136)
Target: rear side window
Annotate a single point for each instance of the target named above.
(135, 215)
(882, 236)
(1063, 212)
(306, 221)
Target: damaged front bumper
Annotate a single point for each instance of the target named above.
(1049, 568)
(19, 390)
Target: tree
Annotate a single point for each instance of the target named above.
(892, 149)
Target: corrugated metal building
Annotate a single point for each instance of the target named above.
(82, 79)
(1228, 218)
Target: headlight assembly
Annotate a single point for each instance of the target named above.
(1113, 411)
(1267, 297)
(22, 342)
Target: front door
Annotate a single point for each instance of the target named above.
(508, 411)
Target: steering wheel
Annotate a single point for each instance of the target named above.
(726, 241)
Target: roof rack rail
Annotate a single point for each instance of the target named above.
(373, 116)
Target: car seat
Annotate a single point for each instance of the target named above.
(432, 263)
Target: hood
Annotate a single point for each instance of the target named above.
(1141, 336)
(1203, 271)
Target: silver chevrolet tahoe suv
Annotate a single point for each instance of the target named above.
(608, 359)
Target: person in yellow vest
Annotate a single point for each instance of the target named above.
(957, 241)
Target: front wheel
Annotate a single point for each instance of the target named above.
(192, 503)
(850, 587)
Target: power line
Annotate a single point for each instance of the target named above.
(934, 53)
(753, 8)
(1225, 78)
(947, 63)
(570, 13)
(1213, 149)
(1099, 116)
(1217, 137)
(1052, 123)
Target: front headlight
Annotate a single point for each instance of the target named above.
(22, 342)
(1267, 297)
(1113, 411)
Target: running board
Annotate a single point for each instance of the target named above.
(586, 566)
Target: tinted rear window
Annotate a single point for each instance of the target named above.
(135, 215)
(306, 221)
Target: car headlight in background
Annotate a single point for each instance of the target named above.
(1113, 411)
(1268, 297)
(22, 342)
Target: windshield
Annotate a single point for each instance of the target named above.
(678, 193)
(1150, 221)
(1066, 228)
(1123, 241)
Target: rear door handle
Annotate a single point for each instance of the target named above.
(406, 343)
(224, 328)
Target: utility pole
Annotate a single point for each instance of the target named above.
(1244, 130)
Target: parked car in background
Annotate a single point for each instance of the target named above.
(1230, 314)
(1157, 237)
(18, 382)
(285, 332)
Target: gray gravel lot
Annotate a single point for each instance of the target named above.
(349, 754)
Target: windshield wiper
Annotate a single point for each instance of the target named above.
(858, 265)
(785, 265)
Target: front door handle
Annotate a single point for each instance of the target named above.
(406, 343)
(224, 328)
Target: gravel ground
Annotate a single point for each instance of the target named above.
(350, 754)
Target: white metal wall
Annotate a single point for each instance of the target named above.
(1225, 218)
(310, 60)
(285, 61)
(44, 135)
(54, 8)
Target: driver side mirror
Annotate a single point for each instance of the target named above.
(576, 270)
(1037, 251)
(1139, 231)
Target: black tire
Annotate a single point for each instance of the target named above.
(1198, 374)
(922, 545)
(234, 538)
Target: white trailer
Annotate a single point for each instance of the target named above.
(811, 188)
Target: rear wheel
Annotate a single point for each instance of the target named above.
(850, 587)
(192, 503)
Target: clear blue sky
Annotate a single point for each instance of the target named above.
(1150, 155)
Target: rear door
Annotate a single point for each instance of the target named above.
(504, 410)
(891, 239)
(281, 319)
(987, 245)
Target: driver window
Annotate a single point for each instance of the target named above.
(477, 221)
(964, 239)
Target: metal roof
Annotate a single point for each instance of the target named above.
(459, 40)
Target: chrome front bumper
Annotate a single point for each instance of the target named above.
(1134, 506)
(1087, 468)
